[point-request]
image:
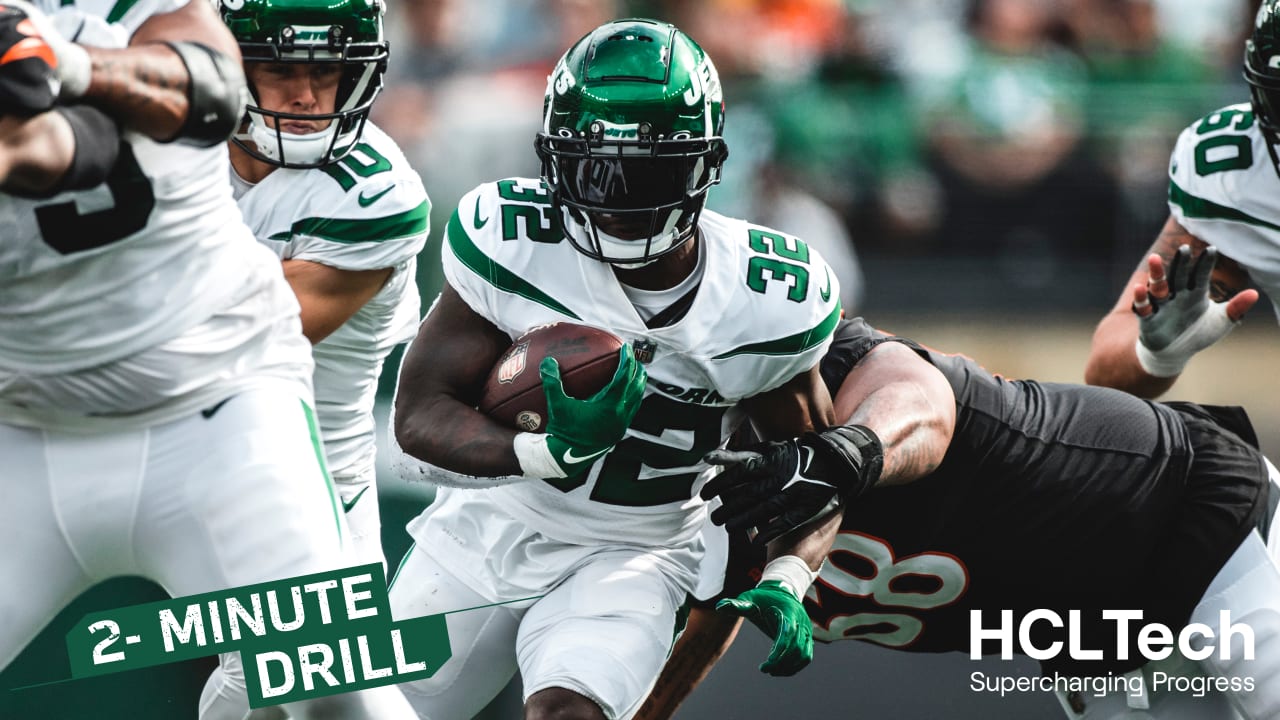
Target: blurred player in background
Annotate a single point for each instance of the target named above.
(1222, 236)
(154, 379)
(335, 199)
(987, 494)
(582, 542)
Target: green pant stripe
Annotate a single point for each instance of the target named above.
(400, 567)
(318, 447)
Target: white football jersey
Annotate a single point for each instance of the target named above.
(764, 313)
(1224, 190)
(128, 14)
(366, 212)
(90, 280)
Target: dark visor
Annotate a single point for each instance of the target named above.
(628, 183)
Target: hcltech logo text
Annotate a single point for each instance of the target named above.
(1154, 641)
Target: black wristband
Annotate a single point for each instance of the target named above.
(216, 95)
(97, 146)
(852, 457)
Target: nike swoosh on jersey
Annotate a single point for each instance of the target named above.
(367, 201)
(211, 411)
(826, 291)
(478, 222)
(572, 459)
(346, 506)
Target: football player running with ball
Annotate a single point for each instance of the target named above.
(583, 541)
(334, 198)
(977, 493)
(155, 384)
(1222, 236)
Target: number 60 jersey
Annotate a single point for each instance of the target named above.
(763, 313)
(1224, 190)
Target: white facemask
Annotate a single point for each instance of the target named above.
(298, 149)
(615, 248)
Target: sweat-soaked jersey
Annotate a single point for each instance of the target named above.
(1050, 496)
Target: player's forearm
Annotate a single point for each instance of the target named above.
(145, 87)
(68, 148)
(35, 152)
(810, 542)
(706, 637)
(1113, 362)
(913, 430)
(328, 296)
(449, 434)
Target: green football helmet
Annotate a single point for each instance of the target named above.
(631, 140)
(348, 32)
(1262, 72)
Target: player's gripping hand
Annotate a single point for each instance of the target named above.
(779, 486)
(772, 607)
(1176, 317)
(578, 432)
(37, 66)
(774, 485)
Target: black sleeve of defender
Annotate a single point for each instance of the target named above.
(216, 95)
(853, 339)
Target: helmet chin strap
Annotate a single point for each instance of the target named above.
(309, 148)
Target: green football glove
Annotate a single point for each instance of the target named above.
(771, 607)
(580, 431)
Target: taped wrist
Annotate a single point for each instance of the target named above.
(535, 458)
(97, 145)
(851, 458)
(216, 95)
(75, 70)
(1208, 328)
(1159, 364)
(792, 572)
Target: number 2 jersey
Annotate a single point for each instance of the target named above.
(103, 292)
(1223, 189)
(763, 313)
(367, 211)
(1050, 496)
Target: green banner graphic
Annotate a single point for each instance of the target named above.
(299, 638)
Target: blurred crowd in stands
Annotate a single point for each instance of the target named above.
(979, 153)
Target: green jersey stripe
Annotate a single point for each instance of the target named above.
(316, 445)
(1197, 207)
(120, 10)
(791, 344)
(392, 227)
(493, 273)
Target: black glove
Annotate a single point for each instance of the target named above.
(779, 486)
(29, 80)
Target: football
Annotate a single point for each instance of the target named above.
(513, 395)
